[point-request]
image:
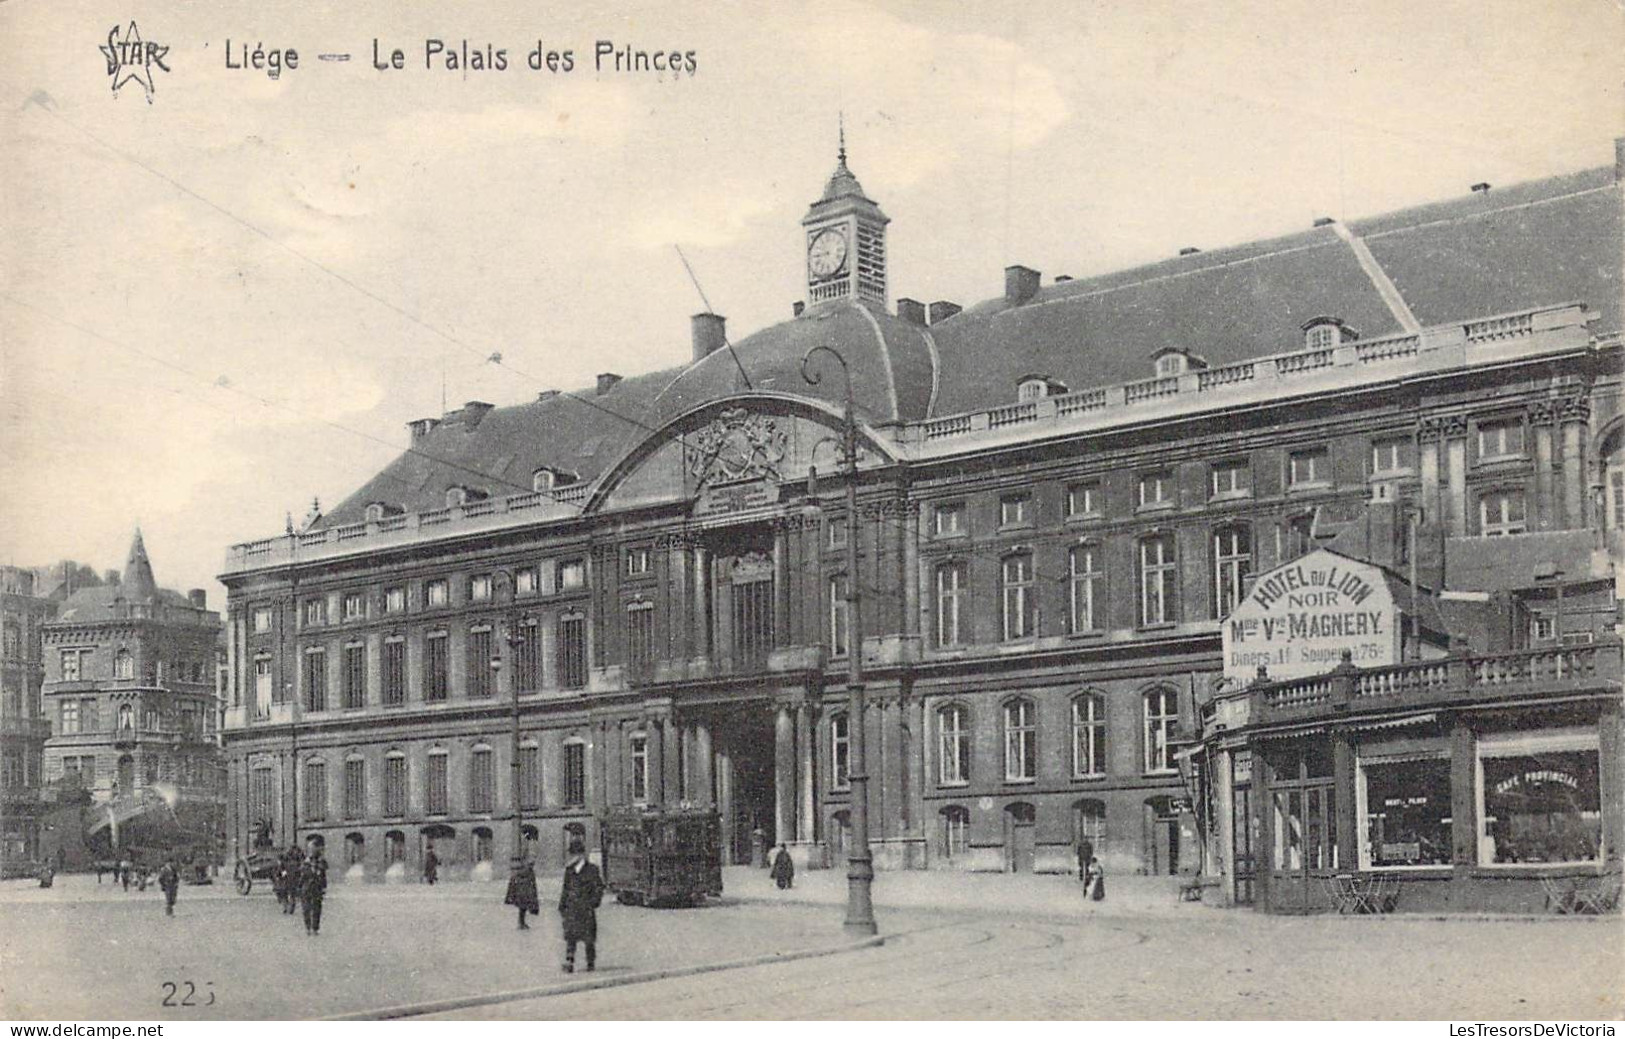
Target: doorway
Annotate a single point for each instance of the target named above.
(745, 779)
(1019, 839)
(1162, 824)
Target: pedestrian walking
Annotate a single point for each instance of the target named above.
(431, 866)
(122, 873)
(784, 871)
(522, 891)
(312, 889)
(293, 864)
(169, 879)
(579, 898)
(1094, 880)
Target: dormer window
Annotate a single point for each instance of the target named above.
(1037, 387)
(1172, 362)
(1324, 333)
(542, 480)
(456, 496)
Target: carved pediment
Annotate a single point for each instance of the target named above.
(736, 445)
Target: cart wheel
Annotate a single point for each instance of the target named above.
(242, 878)
(626, 898)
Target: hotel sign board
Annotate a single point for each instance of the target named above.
(1298, 620)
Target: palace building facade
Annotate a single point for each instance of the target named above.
(638, 594)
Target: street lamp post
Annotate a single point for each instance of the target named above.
(860, 871)
(515, 639)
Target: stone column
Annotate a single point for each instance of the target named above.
(1346, 824)
(1428, 448)
(804, 763)
(700, 626)
(784, 775)
(1576, 417)
(653, 762)
(704, 785)
(1542, 512)
(1463, 800)
(781, 587)
(672, 755)
(725, 804)
(1611, 757)
(1455, 452)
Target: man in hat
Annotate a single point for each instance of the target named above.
(169, 879)
(522, 890)
(579, 898)
(784, 870)
(313, 887)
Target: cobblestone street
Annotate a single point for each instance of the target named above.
(85, 951)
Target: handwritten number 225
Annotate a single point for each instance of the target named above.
(172, 990)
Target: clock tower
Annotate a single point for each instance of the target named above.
(846, 241)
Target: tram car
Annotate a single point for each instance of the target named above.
(662, 857)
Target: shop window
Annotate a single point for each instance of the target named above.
(1539, 799)
(1404, 812)
(953, 729)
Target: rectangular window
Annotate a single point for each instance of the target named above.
(1015, 510)
(572, 651)
(481, 781)
(1231, 479)
(315, 791)
(1539, 800)
(1083, 499)
(638, 562)
(262, 619)
(575, 774)
(1158, 571)
(315, 611)
(1390, 455)
(1543, 629)
(530, 776)
(355, 606)
(68, 713)
(1161, 724)
(71, 671)
(1501, 513)
(572, 575)
(951, 589)
(262, 794)
(1017, 594)
(640, 769)
(1156, 489)
(315, 680)
(479, 662)
(948, 520)
(479, 588)
(395, 785)
(263, 693)
(640, 635)
(524, 582)
(837, 527)
(355, 677)
(840, 772)
(394, 676)
(395, 600)
(1500, 439)
(1405, 812)
(435, 785)
(355, 788)
(1089, 736)
(1085, 582)
(1232, 563)
(838, 592)
(953, 728)
(436, 658)
(1310, 466)
(1020, 741)
(529, 673)
(437, 592)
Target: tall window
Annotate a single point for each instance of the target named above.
(1158, 571)
(436, 658)
(572, 575)
(481, 780)
(1232, 562)
(575, 773)
(1501, 513)
(395, 785)
(1309, 466)
(953, 730)
(262, 619)
(640, 635)
(838, 592)
(640, 768)
(1500, 439)
(355, 788)
(1016, 590)
(1085, 582)
(524, 581)
(123, 665)
(951, 587)
(355, 606)
(68, 714)
(315, 611)
(263, 693)
(394, 684)
(395, 600)
(837, 527)
(316, 680)
(1089, 735)
(479, 662)
(355, 677)
(530, 776)
(435, 790)
(261, 794)
(1300, 535)
(840, 749)
(479, 588)
(1020, 740)
(529, 673)
(315, 791)
(955, 823)
(1161, 723)
(437, 592)
(71, 670)
(572, 651)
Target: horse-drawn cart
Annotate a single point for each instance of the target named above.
(259, 865)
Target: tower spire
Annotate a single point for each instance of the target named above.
(840, 153)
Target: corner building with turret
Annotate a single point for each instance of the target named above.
(1062, 494)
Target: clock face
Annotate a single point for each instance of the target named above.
(827, 253)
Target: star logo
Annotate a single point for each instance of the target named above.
(131, 58)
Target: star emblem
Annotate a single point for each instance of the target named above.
(128, 58)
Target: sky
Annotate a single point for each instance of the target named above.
(227, 300)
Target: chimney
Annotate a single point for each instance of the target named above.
(911, 310)
(1480, 188)
(797, 307)
(942, 310)
(1020, 284)
(1062, 279)
(1324, 221)
(710, 334)
(546, 395)
(198, 598)
(606, 382)
(474, 412)
(420, 427)
(1189, 250)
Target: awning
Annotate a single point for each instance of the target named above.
(1394, 723)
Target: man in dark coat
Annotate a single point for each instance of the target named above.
(312, 888)
(169, 879)
(293, 865)
(784, 871)
(431, 866)
(522, 891)
(579, 898)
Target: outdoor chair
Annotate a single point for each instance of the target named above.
(1560, 892)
